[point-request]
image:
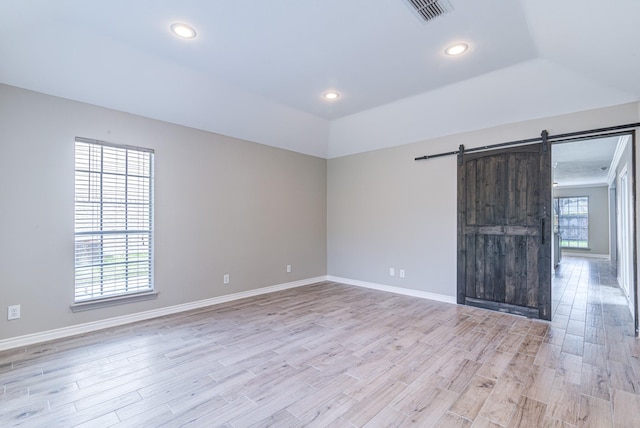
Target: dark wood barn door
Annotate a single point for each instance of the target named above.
(504, 230)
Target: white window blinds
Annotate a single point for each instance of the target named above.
(113, 220)
(573, 222)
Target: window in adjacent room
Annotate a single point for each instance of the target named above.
(113, 220)
(573, 222)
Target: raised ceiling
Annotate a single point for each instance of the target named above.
(257, 70)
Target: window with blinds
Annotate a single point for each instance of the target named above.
(113, 220)
(573, 222)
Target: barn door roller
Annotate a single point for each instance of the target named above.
(461, 155)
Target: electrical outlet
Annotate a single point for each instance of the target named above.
(401, 273)
(392, 271)
(225, 278)
(288, 268)
(13, 312)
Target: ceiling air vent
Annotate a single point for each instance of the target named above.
(427, 10)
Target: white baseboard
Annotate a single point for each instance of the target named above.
(74, 330)
(59, 333)
(396, 290)
(581, 254)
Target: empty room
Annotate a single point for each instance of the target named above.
(337, 213)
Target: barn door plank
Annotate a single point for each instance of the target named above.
(510, 269)
(471, 197)
(479, 266)
(470, 267)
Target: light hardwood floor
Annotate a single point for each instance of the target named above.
(332, 355)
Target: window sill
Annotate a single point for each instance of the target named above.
(575, 249)
(113, 301)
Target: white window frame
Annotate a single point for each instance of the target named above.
(113, 224)
(574, 243)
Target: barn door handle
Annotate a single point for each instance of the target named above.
(542, 224)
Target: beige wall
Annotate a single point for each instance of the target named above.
(387, 210)
(598, 217)
(222, 206)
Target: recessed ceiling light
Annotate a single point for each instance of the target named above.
(456, 49)
(183, 30)
(331, 95)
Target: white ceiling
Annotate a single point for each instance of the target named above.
(583, 163)
(257, 69)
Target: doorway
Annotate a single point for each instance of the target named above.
(593, 191)
(481, 186)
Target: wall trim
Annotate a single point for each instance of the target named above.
(579, 186)
(397, 290)
(59, 333)
(580, 254)
(617, 155)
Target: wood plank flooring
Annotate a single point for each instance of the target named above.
(332, 355)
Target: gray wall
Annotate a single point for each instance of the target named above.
(222, 205)
(385, 209)
(598, 217)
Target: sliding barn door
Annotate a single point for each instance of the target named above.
(504, 230)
